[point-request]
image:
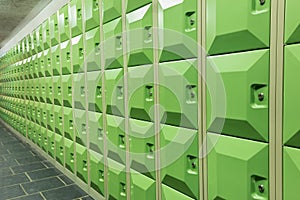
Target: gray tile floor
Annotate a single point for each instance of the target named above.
(26, 175)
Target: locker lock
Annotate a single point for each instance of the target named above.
(261, 188)
(261, 96)
(262, 2)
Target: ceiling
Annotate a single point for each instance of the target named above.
(13, 13)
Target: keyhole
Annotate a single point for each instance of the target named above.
(261, 96)
(261, 188)
(262, 2)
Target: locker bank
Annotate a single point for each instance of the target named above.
(151, 99)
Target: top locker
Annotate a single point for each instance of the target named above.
(235, 26)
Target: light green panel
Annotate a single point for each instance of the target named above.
(135, 4)
(178, 38)
(96, 132)
(142, 148)
(291, 127)
(292, 22)
(49, 89)
(140, 36)
(180, 168)
(246, 26)
(182, 110)
(245, 78)
(48, 63)
(91, 14)
(112, 9)
(50, 117)
(92, 39)
(116, 180)
(75, 17)
(291, 173)
(63, 23)
(113, 44)
(237, 168)
(51, 143)
(114, 92)
(42, 65)
(39, 41)
(81, 162)
(95, 91)
(169, 193)
(97, 172)
(142, 187)
(116, 138)
(141, 92)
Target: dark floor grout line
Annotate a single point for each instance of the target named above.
(62, 180)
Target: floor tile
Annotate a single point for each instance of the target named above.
(65, 193)
(11, 192)
(28, 167)
(42, 185)
(44, 173)
(13, 179)
(30, 197)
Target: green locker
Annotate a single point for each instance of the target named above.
(113, 45)
(135, 4)
(48, 63)
(75, 15)
(140, 36)
(116, 138)
(66, 57)
(57, 90)
(97, 172)
(51, 143)
(35, 132)
(116, 180)
(34, 67)
(38, 115)
(170, 193)
(58, 118)
(91, 14)
(46, 34)
(45, 140)
(79, 91)
(291, 173)
(67, 90)
(237, 26)
(50, 117)
(42, 90)
(180, 168)
(44, 115)
(245, 79)
(39, 38)
(32, 111)
(41, 138)
(178, 40)
(55, 61)
(69, 154)
(96, 132)
(59, 149)
(68, 123)
(182, 111)
(33, 44)
(142, 148)
(142, 187)
(292, 22)
(81, 162)
(141, 92)
(80, 126)
(291, 109)
(112, 9)
(114, 92)
(237, 168)
(42, 66)
(53, 27)
(63, 23)
(30, 126)
(95, 91)
(78, 54)
(49, 89)
(92, 39)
